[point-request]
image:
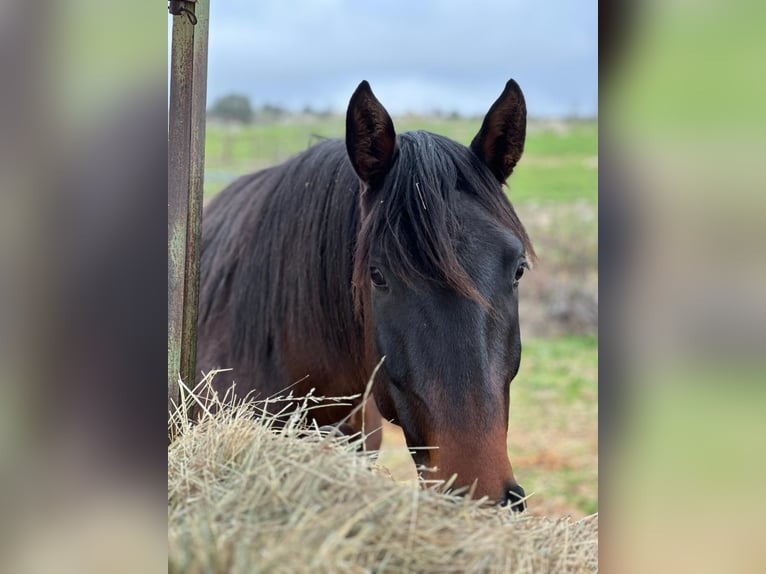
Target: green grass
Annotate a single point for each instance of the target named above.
(553, 433)
(559, 164)
(563, 364)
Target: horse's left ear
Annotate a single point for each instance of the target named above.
(500, 141)
(370, 136)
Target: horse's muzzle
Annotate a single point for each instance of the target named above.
(514, 497)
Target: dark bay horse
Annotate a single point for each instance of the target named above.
(397, 246)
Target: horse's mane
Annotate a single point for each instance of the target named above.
(277, 255)
(282, 247)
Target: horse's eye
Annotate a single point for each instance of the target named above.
(377, 278)
(520, 272)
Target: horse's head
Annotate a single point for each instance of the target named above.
(439, 257)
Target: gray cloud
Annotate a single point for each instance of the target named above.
(418, 55)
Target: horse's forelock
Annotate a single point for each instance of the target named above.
(412, 219)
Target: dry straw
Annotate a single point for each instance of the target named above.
(271, 494)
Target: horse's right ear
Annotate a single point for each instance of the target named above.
(370, 136)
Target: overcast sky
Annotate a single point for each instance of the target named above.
(418, 55)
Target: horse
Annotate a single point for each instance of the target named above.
(397, 251)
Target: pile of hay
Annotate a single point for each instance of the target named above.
(245, 497)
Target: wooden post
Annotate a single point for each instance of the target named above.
(186, 164)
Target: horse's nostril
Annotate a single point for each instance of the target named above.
(514, 497)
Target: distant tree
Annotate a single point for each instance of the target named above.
(272, 111)
(232, 108)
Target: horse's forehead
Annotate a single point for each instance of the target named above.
(479, 229)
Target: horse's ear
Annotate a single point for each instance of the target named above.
(500, 141)
(370, 136)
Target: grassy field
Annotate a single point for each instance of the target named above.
(560, 162)
(554, 407)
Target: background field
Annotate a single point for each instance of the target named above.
(560, 160)
(553, 438)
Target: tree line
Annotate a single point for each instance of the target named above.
(237, 108)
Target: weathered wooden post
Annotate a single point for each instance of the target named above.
(186, 163)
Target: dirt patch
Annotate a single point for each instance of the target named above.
(560, 294)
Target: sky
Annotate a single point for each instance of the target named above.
(419, 56)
